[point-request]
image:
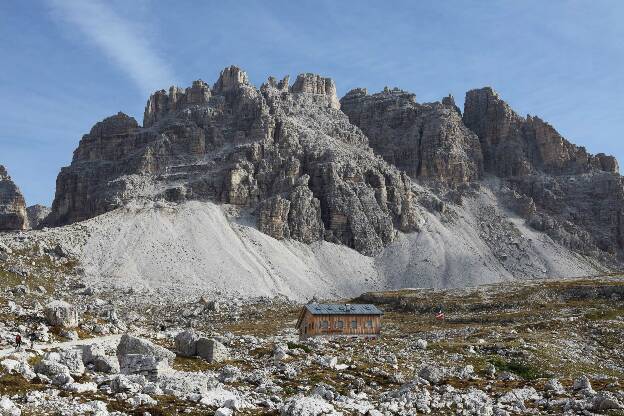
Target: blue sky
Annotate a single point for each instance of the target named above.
(68, 64)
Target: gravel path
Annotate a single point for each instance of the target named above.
(49, 346)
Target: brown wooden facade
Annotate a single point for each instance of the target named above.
(311, 323)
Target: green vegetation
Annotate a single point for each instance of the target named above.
(294, 345)
(525, 371)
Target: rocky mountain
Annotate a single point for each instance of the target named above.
(37, 214)
(576, 197)
(558, 187)
(428, 141)
(436, 197)
(286, 152)
(12, 205)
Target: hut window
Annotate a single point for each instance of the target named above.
(354, 324)
(339, 324)
(324, 325)
(369, 324)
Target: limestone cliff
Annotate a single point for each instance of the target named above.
(516, 146)
(559, 188)
(286, 152)
(428, 141)
(355, 172)
(12, 205)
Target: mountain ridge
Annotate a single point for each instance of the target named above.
(379, 173)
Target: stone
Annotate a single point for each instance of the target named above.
(421, 344)
(61, 314)
(72, 359)
(127, 383)
(224, 411)
(8, 408)
(186, 343)
(582, 383)
(555, 386)
(432, 373)
(13, 214)
(57, 373)
(147, 365)
(140, 349)
(81, 387)
(307, 406)
(605, 400)
(328, 361)
(142, 400)
(280, 353)
(212, 350)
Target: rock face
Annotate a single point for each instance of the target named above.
(427, 141)
(575, 197)
(353, 172)
(36, 215)
(287, 153)
(517, 146)
(12, 205)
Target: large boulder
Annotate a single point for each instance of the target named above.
(212, 350)
(57, 373)
(8, 408)
(95, 355)
(70, 358)
(186, 343)
(140, 356)
(62, 314)
(148, 365)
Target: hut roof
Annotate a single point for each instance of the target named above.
(342, 309)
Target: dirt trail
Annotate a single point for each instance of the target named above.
(39, 346)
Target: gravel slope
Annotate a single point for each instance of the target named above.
(197, 247)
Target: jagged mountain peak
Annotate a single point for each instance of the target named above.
(516, 146)
(357, 172)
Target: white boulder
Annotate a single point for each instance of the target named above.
(60, 313)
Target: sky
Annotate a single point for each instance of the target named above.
(68, 64)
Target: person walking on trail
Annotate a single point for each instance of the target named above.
(18, 341)
(32, 340)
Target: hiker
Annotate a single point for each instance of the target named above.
(32, 338)
(18, 341)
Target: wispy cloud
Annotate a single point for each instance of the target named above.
(121, 39)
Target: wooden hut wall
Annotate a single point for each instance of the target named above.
(314, 324)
